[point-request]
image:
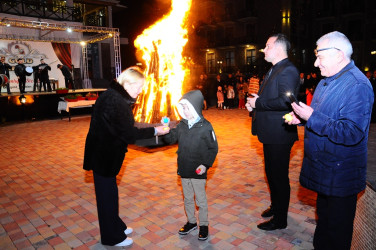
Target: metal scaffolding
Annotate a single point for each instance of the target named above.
(117, 54)
(86, 84)
(96, 34)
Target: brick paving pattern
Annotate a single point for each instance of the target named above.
(47, 200)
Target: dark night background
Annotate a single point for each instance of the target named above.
(134, 19)
(226, 24)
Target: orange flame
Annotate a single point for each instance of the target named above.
(162, 46)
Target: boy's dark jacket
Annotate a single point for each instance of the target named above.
(197, 145)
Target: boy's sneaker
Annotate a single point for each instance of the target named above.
(187, 228)
(204, 233)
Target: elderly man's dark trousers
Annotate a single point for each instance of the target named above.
(111, 226)
(277, 160)
(335, 222)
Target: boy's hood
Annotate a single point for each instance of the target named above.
(194, 99)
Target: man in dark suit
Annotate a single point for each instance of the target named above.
(67, 76)
(270, 105)
(20, 71)
(4, 69)
(44, 80)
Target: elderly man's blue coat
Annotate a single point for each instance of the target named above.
(335, 155)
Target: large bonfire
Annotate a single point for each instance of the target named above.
(162, 45)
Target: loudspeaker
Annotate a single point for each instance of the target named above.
(77, 78)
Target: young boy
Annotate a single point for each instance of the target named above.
(197, 150)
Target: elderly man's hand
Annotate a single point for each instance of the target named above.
(162, 130)
(302, 110)
(252, 100)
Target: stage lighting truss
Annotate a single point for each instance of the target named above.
(100, 33)
(94, 34)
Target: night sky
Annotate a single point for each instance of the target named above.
(139, 15)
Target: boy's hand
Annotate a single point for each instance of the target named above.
(200, 170)
(165, 121)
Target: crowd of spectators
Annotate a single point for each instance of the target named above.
(236, 87)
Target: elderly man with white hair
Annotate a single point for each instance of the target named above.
(111, 130)
(335, 143)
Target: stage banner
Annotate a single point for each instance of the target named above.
(32, 52)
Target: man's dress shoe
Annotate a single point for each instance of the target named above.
(268, 212)
(271, 225)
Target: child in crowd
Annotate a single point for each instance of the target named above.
(253, 88)
(220, 97)
(230, 96)
(197, 150)
(241, 96)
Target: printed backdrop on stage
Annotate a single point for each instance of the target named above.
(32, 52)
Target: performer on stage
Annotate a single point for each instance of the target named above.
(43, 76)
(35, 77)
(67, 76)
(20, 71)
(4, 69)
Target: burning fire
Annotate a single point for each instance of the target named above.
(162, 46)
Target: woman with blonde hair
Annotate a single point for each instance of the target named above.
(111, 130)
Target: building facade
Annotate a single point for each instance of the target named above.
(230, 34)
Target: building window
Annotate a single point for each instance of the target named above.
(250, 56)
(229, 35)
(230, 61)
(327, 27)
(250, 32)
(355, 28)
(229, 9)
(250, 5)
(210, 63)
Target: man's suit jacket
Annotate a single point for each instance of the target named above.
(273, 103)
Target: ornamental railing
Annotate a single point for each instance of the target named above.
(41, 9)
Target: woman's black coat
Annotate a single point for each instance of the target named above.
(111, 130)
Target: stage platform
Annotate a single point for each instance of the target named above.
(77, 91)
(38, 106)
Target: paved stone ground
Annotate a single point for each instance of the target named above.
(47, 200)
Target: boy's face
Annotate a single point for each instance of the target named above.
(187, 112)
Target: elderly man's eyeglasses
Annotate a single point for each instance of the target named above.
(318, 50)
